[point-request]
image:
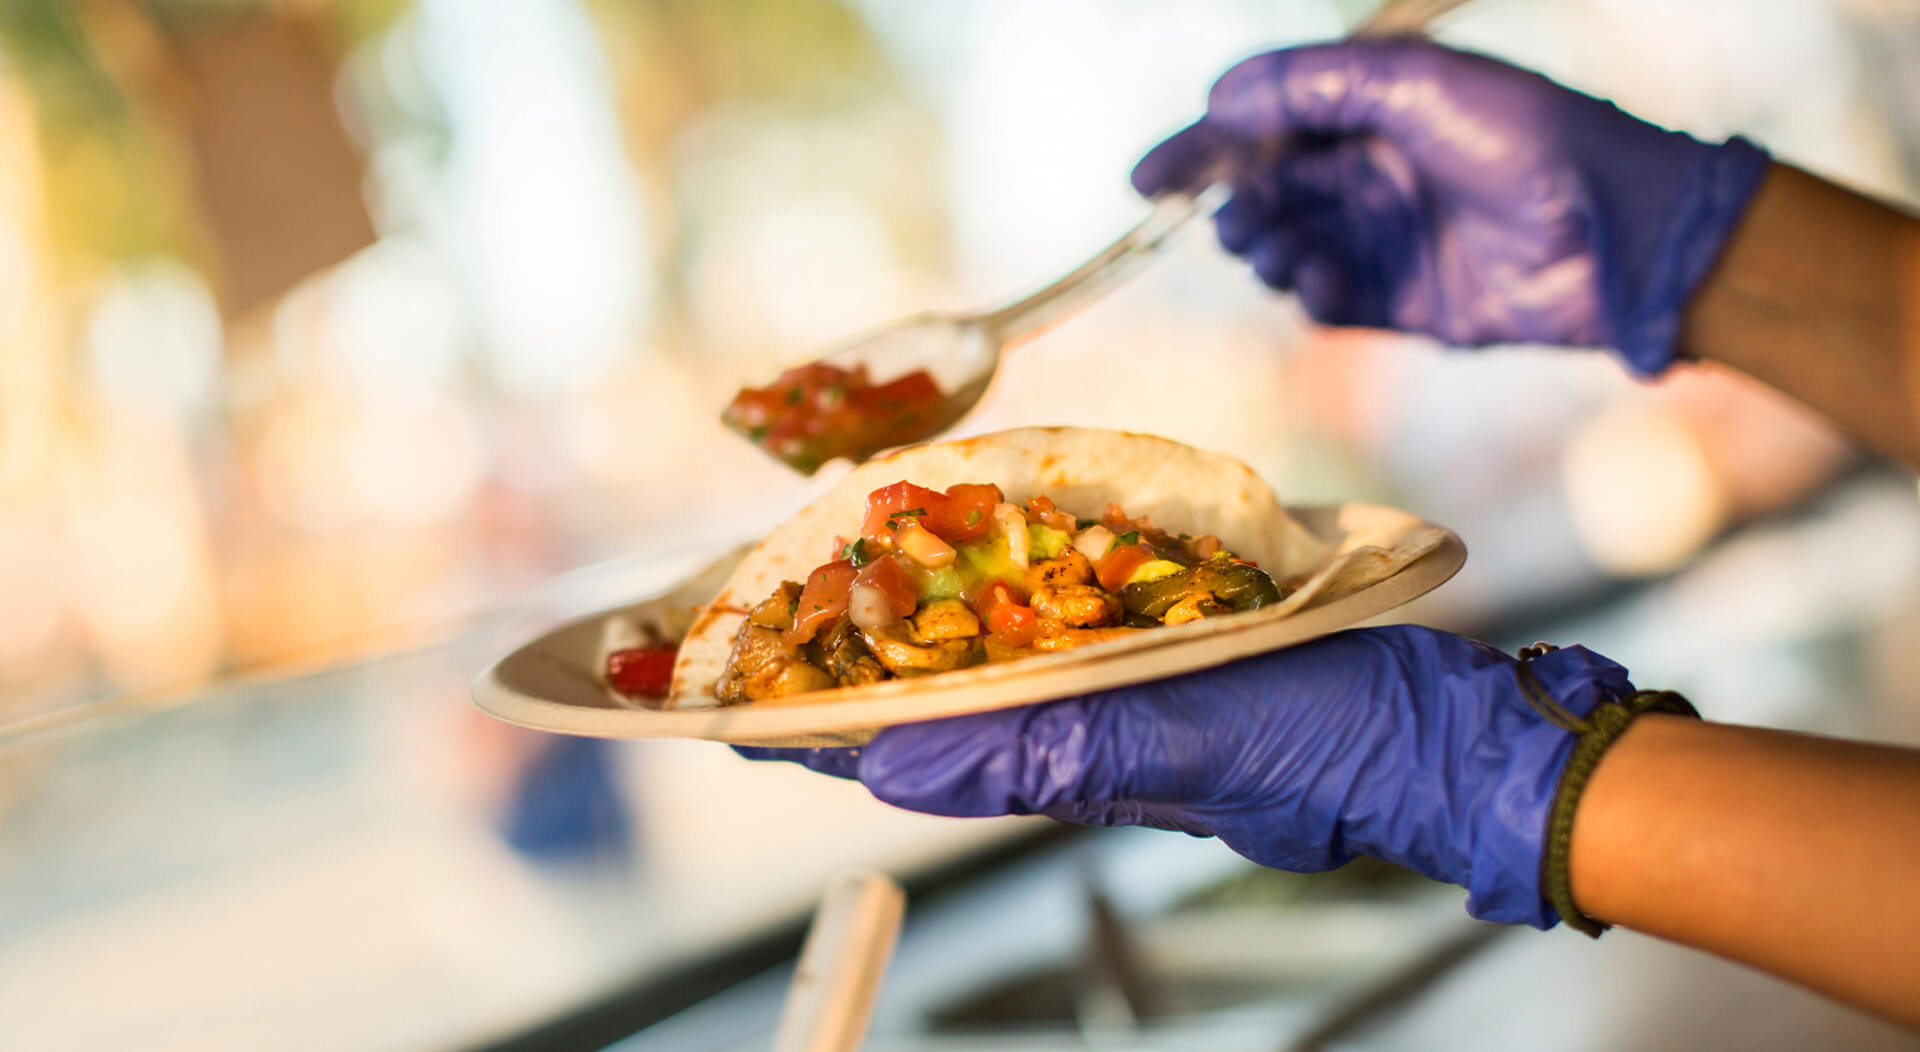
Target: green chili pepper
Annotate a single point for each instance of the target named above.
(1236, 586)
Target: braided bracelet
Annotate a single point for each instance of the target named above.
(1597, 732)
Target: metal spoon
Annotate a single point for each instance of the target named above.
(961, 352)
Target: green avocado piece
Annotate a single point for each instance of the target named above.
(988, 560)
(944, 583)
(1153, 570)
(1045, 542)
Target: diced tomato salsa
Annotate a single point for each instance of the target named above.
(966, 514)
(822, 600)
(1006, 618)
(1119, 563)
(963, 513)
(939, 580)
(642, 672)
(1041, 510)
(890, 578)
(888, 504)
(817, 412)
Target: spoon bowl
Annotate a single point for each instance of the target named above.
(946, 361)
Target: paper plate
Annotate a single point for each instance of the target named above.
(553, 683)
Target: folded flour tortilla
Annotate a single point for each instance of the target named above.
(1180, 488)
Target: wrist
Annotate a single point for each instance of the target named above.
(1472, 771)
(1718, 188)
(1506, 881)
(1597, 733)
(1614, 810)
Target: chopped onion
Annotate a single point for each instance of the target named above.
(919, 544)
(616, 633)
(619, 633)
(869, 608)
(1093, 542)
(1012, 524)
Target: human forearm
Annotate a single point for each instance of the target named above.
(1794, 854)
(1818, 294)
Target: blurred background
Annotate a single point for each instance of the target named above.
(344, 344)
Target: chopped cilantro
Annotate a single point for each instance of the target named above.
(794, 394)
(919, 512)
(1130, 537)
(757, 434)
(856, 553)
(892, 525)
(973, 517)
(793, 608)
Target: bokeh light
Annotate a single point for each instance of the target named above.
(142, 570)
(153, 337)
(1644, 497)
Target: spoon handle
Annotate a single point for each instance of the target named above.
(1028, 316)
(1089, 281)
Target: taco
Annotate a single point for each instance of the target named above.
(913, 566)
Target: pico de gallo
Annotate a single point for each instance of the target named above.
(643, 671)
(817, 412)
(935, 581)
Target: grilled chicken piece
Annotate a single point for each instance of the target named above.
(762, 666)
(840, 651)
(776, 610)
(1057, 636)
(945, 619)
(903, 657)
(1078, 605)
(1067, 568)
(996, 651)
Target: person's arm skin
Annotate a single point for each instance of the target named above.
(1794, 854)
(1818, 295)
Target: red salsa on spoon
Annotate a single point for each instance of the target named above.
(817, 412)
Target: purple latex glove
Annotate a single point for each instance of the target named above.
(1446, 193)
(1402, 743)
